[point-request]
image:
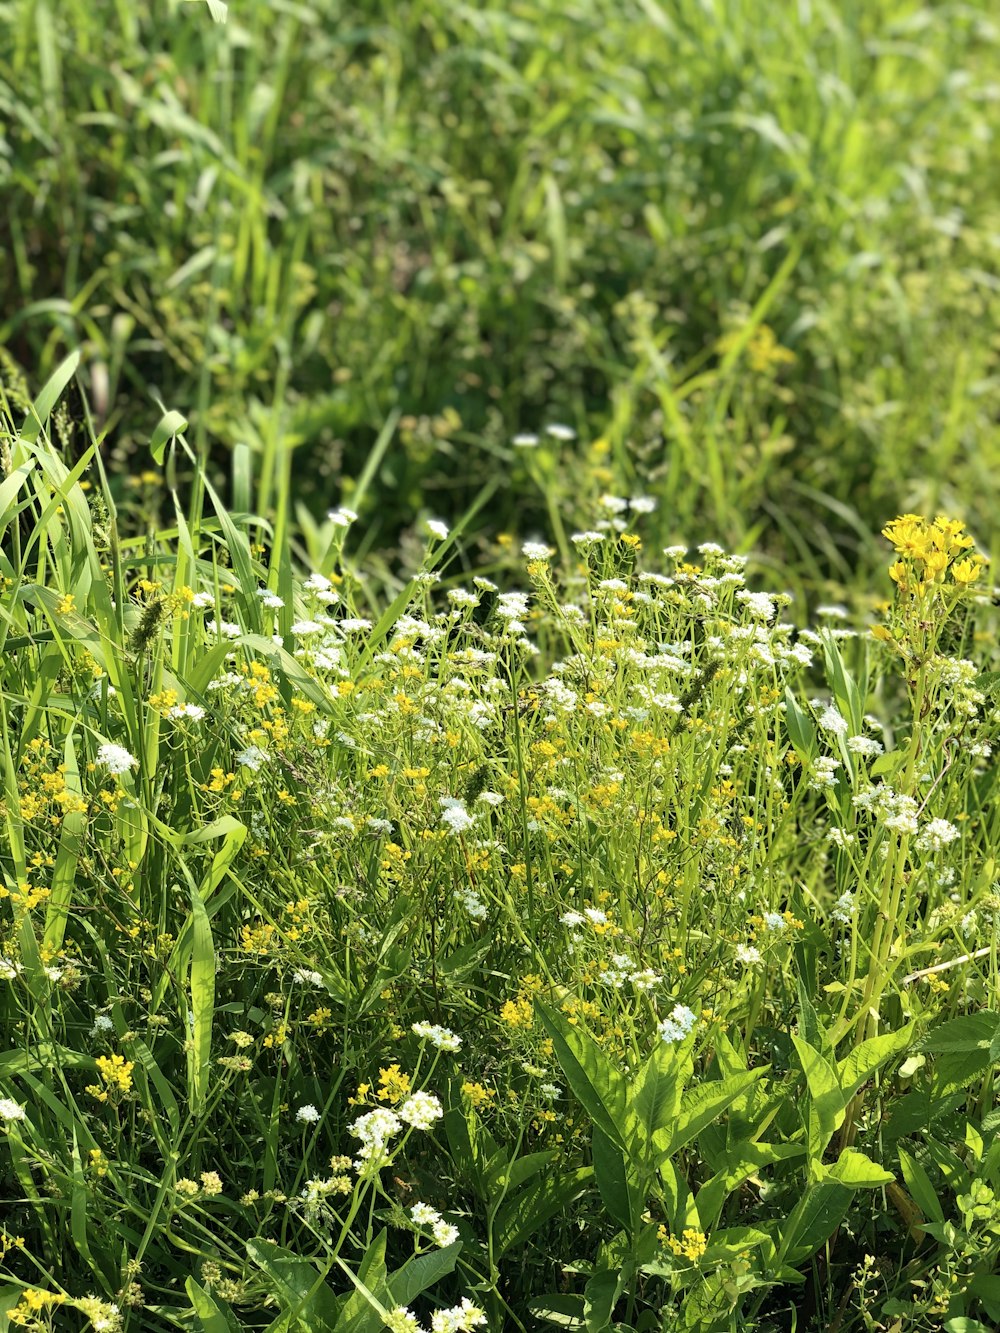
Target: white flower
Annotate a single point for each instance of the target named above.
(573, 919)
(308, 1114)
(270, 599)
(550, 1091)
(457, 818)
(462, 1318)
(9, 969)
(376, 1126)
(186, 712)
(595, 916)
(831, 719)
(302, 977)
(342, 517)
(525, 440)
(355, 624)
(843, 908)
(642, 504)
(402, 1320)
(537, 551)
(303, 628)
(588, 538)
(443, 1038)
(424, 1215)
(201, 600)
(678, 1025)
(116, 758)
(759, 604)
(253, 757)
(437, 529)
(865, 746)
(10, 1110)
(444, 1233)
(774, 921)
(935, 835)
(748, 955)
(420, 1110)
(614, 504)
(560, 432)
(224, 628)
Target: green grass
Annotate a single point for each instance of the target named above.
(723, 982)
(292, 225)
(440, 888)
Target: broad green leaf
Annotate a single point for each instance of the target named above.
(859, 1066)
(560, 1311)
(700, 1106)
(301, 1291)
(653, 1103)
(825, 1107)
(971, 1032)
(522, 1215)
(421, 1272)
(597, 1085)
(211, 1319)
(619, 1190)
(813, 1220)
(919, 1183)
(600, 1296)
(741, 1162)
(858, 1171)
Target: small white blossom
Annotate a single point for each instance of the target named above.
(10, 1110)
(116, 758)
(437, 529)
(307, 1114)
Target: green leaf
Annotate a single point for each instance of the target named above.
(813, 1220)
(801, 731)
(654, 1101)
(202, 1004)
(169, 425)
(600, 1296)
(300, 1290)
(919, 1183)
(211, 1319)
(859, 1066)
(856, 1170)
(971, 1032)
(421, 1272)
(596, 1084)
(700, 1106)
(619, 1190)
(825, 1107)
(562, 1311)
(522, 1215)
(52, 391)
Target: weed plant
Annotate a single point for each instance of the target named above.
(593, 950)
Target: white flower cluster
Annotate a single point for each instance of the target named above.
(425, 1216)
(677, 1026)
(443, 1038)
(892, 808)
(116, 759)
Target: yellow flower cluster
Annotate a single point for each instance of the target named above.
(691, 1245)
(116, 1077)
(930, 551)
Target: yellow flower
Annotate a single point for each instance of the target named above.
(967, 571)
(393, 1085)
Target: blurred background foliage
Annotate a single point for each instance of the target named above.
(748, 253)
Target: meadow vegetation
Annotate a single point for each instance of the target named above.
(498, 668)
